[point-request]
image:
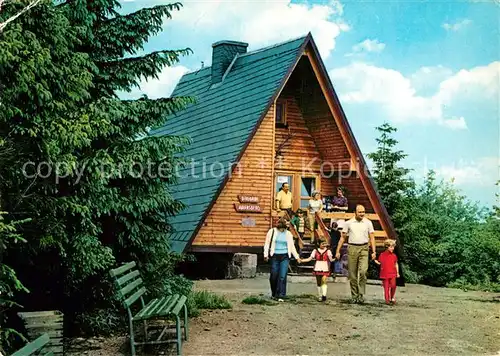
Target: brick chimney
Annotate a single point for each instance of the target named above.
(223, 53)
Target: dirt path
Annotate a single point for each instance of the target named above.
(425, 321)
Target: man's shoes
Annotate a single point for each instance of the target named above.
(361, 300)
(353, 301)
(323, 298)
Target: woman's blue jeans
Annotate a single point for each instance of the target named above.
(279, 271)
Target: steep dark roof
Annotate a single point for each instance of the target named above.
(221, 123)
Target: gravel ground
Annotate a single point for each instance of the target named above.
(425, 321)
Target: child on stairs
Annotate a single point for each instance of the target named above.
(323, 256)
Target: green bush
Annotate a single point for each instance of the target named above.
(102, 322)
(209, 300)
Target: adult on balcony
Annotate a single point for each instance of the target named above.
(339, 201)
(315, 205)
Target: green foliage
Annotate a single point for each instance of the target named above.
(447, 239)
(9, 283)
(89, 204)
(209, 300)
(391, 178)
(257, 300)
(103, 322)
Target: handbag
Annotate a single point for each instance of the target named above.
(270, 244)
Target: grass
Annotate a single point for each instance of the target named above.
(209, 300)
(206, 300)
(258, 300)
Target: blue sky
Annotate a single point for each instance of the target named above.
(431, 69)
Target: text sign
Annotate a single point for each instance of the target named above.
(247, 208)
(248, 198)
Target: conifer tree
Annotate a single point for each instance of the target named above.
(102, 195)
(391, 178)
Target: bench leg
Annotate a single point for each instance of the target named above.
(179, 333)
(132, 346)
(185, 322)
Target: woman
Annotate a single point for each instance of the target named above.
(315, 205)
(339, 201)
(279, 247)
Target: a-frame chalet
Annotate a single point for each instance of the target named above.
(262, 118)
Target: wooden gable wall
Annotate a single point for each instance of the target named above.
(301, 148)
(222, 226)
(318, 136)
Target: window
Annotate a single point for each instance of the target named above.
(283, 179)
(280, 113)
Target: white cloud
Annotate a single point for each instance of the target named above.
(397, 97)
(427, 79)
(369, 46)
(262, 23)
(457, 25)
(481, 172)
(158, 88)
(455, 124)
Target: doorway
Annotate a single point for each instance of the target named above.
(301, 186)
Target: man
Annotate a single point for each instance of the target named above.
(359, 231)
(284, 200)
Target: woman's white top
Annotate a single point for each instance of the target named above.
(315, 205)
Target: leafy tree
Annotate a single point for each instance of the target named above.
(447, 240)
(101, 195)
(391, 178)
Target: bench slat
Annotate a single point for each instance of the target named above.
(122, 280)
(33, 346)
(130, 287)
(167, 307)
(144, 310)
(122, 269)
(161, 306)
(150, 309)
(133, 298)
(180, 304)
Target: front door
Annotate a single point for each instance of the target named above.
(301, 187)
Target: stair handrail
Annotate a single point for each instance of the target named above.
(322, 227)
(293, 230)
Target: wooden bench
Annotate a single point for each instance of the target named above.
(35, 347)
(131, 289)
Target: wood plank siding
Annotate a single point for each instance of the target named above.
(223, 227)
(300, 149)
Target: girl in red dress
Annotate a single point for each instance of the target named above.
(323, 256)
(389, 271)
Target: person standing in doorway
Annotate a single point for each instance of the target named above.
(284, 200)
(279, 248)
(359, 232)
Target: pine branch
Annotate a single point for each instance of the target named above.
(127, 34)
(126, 73)
(12, 18)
